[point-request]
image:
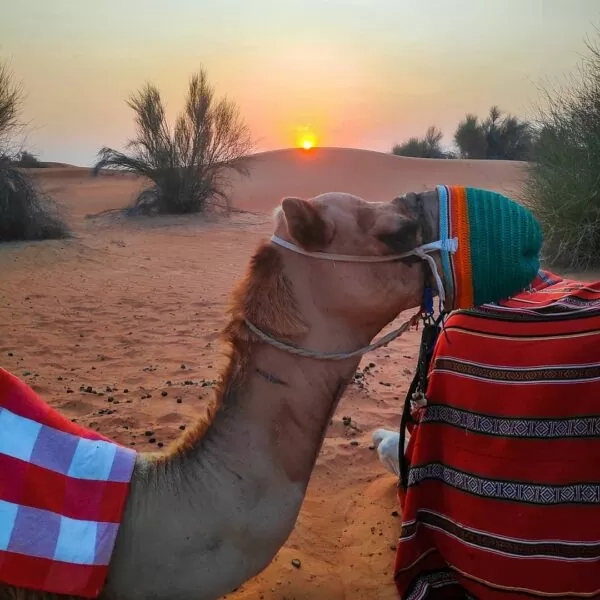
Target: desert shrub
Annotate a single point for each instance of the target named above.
(425, 147)
(189, 167)
(10, 105)
(497, 137)
(25, 213)
(563, 184)
(27, 160)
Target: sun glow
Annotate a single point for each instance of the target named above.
(305, 138)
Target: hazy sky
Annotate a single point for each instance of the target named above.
(358, 73)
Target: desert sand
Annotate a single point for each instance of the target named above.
(109, 326)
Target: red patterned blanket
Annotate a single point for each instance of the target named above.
(63, 490)
(503, 497)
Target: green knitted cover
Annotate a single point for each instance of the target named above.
(499, 244)
(506, 255)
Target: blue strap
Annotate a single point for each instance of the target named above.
(428, 301)
(444, 229)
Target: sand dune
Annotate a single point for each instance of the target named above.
(131, 304)
(295, 172)
(371, 175)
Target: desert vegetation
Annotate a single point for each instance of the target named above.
(561, 152)
(497, 137)
(189, 167)
(25, 212)
(563, 186)
(428, 146)
(28, 160)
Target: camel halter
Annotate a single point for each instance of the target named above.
(423, 252)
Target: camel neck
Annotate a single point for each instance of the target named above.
(289, 402)
(226, 505)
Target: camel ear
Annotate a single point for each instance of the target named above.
(306, 225)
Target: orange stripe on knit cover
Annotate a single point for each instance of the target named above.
(462, 258)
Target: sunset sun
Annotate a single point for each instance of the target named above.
(305, 138)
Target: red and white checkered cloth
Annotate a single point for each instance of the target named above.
(63, 491)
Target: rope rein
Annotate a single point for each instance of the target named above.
(384, 341)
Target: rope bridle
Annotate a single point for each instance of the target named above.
(384, 341)
(422, 252)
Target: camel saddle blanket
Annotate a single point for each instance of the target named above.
(503, 495)
(63, 491)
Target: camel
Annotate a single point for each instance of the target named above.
(212, 511)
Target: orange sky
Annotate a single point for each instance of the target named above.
(358, 73)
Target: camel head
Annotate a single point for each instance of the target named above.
(364, 295)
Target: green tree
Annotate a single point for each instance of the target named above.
(497, 137)
(470, 138)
